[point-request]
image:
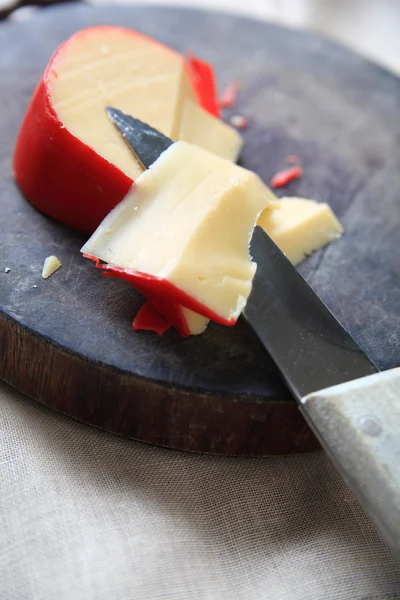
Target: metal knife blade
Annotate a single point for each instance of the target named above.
(146, 142)
(308, 344)
(353, 409)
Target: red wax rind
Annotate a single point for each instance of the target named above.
(166, 297)
(148, 319)
(203, 80)
(59, 174)
(62, 176)
(284, 177)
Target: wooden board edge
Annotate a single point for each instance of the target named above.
(144, 410)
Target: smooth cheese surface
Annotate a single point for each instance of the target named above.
(112, 66)
(109, 66)
(200, 128)
(301, 226)
(189, 220)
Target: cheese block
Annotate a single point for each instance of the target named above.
(70, 161)
(183, 232)
(300, 226)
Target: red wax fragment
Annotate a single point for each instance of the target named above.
(284, 177)
(164, 295)
(203, 81)
(148, 319)
(292, 159)
(239, 122)
(228, 96)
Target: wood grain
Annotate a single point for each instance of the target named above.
(68, 343)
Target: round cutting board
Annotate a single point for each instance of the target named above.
(67, 341)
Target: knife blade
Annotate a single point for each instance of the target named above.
(146, 142)
(353, 409)
(307, 343)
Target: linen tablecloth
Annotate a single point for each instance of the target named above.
(87, 515)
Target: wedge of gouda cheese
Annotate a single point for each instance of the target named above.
(103, 67)
(69, 160)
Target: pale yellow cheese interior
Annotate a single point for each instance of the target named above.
(300, 226)
(196, 323)
(110, 66)
(200, 128)
(51, 265)
(189, 219)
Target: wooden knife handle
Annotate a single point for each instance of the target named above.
(358, 424)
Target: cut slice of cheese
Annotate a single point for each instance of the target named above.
(300, 226)
(200, 128)
(188, 221)
(70, 161)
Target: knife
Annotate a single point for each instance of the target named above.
(353, 409)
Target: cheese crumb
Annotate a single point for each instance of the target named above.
(6, 269)
(51, 264)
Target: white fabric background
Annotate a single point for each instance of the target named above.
(85, 515)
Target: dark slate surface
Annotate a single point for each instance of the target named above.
(303, 95)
